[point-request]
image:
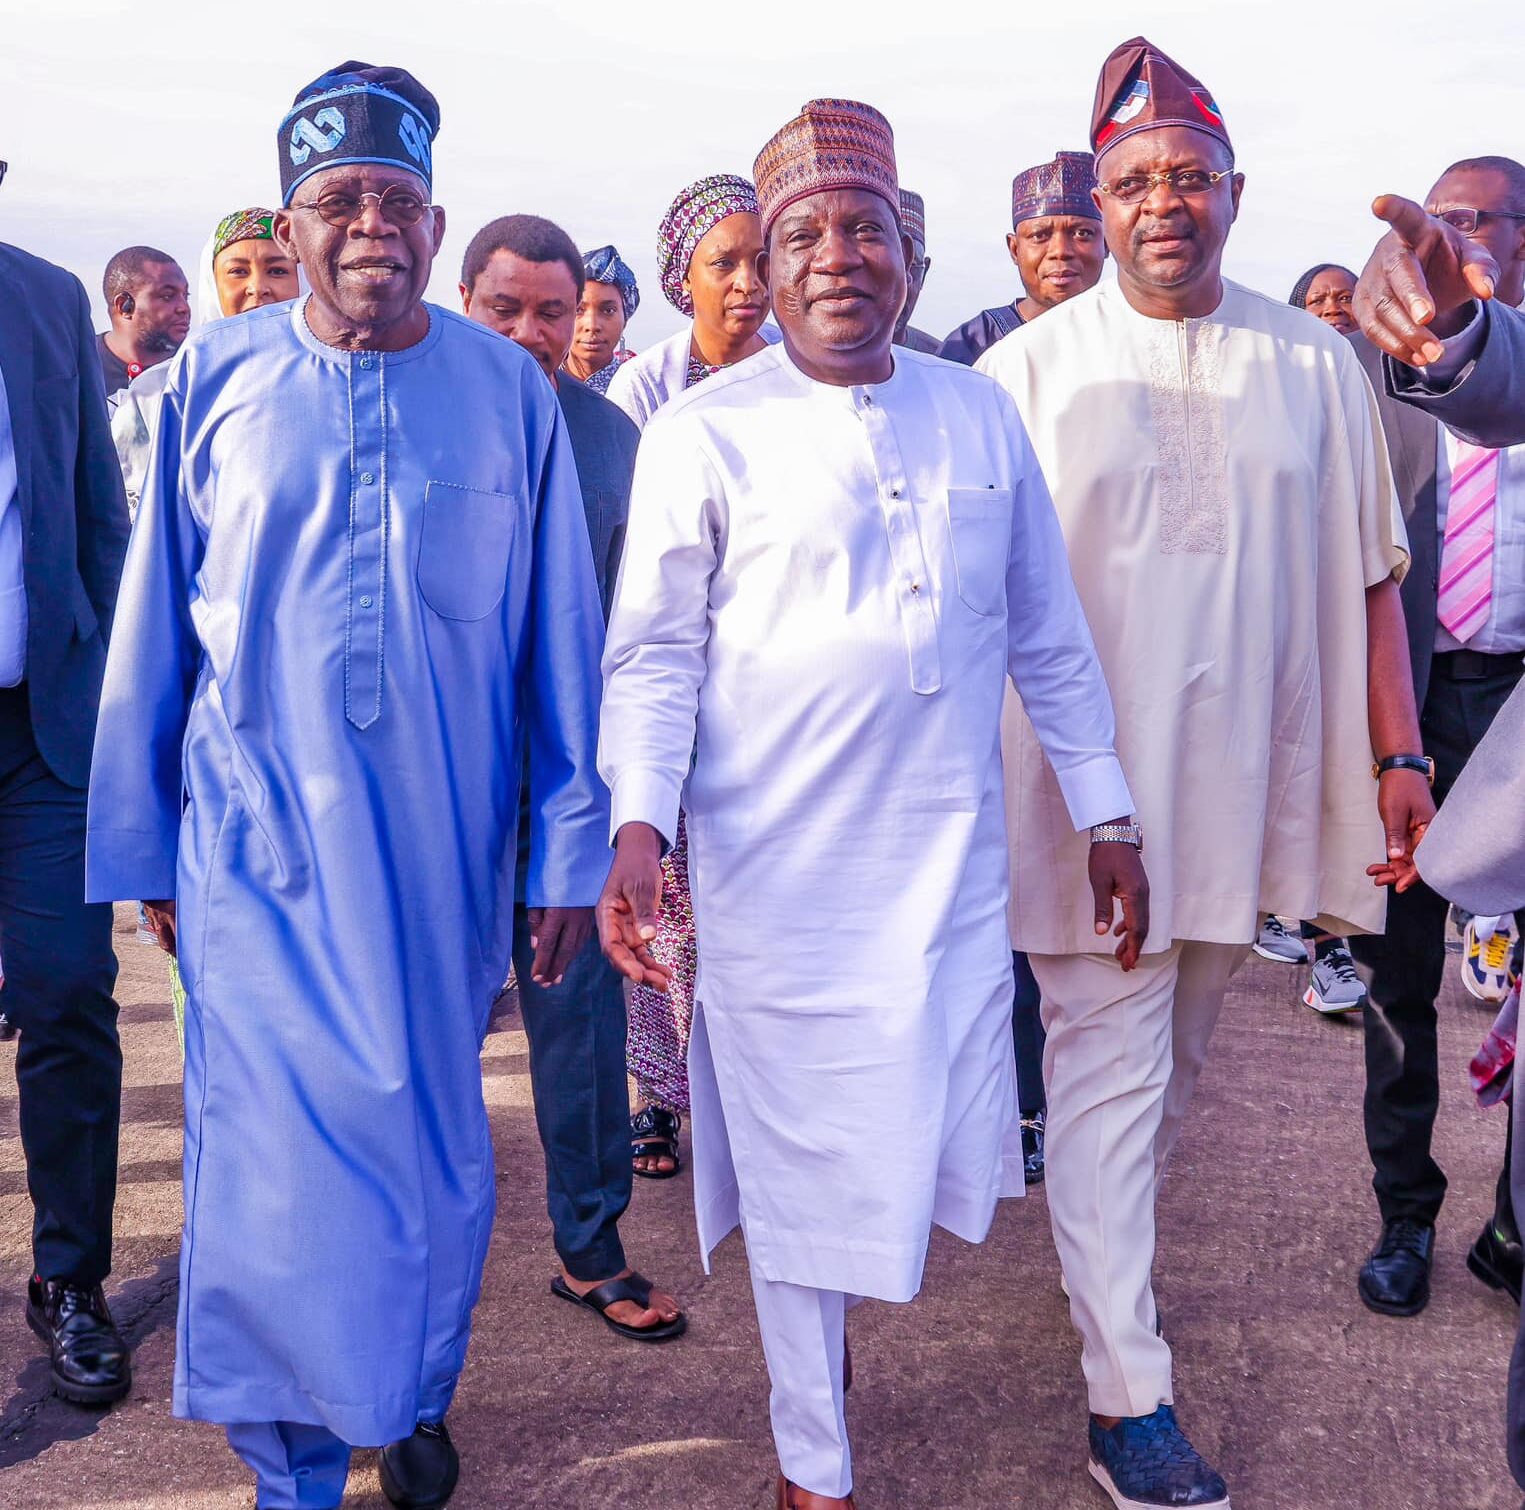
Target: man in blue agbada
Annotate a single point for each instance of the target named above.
(359, 585)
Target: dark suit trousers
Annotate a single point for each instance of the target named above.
(576, 1034)
(59, 975)
(1027, 1034)
(1407, 964)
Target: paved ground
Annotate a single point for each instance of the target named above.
(971, 1398)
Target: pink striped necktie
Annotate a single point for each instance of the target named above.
(1466, 557)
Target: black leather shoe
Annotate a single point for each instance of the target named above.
(420, 1472)
(91, 1363)
(1498, 1260)
(1032, 1148)
(1395, 1280)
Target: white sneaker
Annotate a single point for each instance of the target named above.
(1335, 986)
(1278, 942)
(1485, 960)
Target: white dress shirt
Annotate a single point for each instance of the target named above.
(13, 613)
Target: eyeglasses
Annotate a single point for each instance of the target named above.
(1133, 187)
(1465, 219)
(4, 169)
(399, 207)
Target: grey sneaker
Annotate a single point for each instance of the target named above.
(1277, 942)
(1335, 986)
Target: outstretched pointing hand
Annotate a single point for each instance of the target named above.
(1417, 281)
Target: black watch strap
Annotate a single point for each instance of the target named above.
(1421, 763)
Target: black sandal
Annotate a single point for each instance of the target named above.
(654, 1135)
(633, 1287)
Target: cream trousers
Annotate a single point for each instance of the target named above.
(1121, 1061)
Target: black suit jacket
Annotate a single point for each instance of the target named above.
(69, 490)
(1412, 437)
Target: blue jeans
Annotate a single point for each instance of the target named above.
(582, 1107)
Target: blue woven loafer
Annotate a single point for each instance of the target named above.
(1145, 1462)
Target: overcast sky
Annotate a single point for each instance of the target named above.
(147, 122)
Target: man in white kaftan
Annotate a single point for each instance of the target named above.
(827, 582)
(1221, 480)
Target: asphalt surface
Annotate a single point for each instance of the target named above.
(969, 1400)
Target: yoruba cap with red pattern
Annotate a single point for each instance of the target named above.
(1140, 88)
(830, 144)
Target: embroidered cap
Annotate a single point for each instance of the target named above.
(830, 144)
(1060, 187)
(913, 215)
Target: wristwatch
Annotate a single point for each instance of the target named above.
(1118, 833)
(1421, 763)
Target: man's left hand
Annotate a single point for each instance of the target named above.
(557, 935)
(1117, 870)
(1406, 804)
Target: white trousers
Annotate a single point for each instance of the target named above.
(803, 1335)
(1121, 1061)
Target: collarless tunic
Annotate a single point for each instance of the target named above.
(1224, 488)
(828, 586)
(357, 582)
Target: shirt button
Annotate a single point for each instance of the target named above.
(366, 600)
(365, 362)
(368, 478)
(915, 587)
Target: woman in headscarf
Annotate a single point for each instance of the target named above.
(1326, 290)
(242, 268)
(708, 248)
(609, 298)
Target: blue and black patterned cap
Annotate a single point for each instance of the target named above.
(359, 113)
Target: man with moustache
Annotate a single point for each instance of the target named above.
(838, 551)
(358, 590)
(149, 303)
(523, 277)
(1234, 533)
(1056, 243)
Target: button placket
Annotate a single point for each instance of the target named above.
(365, 603)
(917, 619)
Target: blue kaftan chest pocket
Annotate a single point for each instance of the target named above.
(463, 549)
(979, 525)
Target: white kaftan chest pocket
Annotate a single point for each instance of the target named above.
(463, 549)
(979, 525)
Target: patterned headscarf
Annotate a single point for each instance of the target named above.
(243, 225)
(1299, 298)
(607, 266)
(830, 144)
(689, 218)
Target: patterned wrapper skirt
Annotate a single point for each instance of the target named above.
(657, 1048)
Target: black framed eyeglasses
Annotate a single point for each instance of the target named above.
(1466, 219)
(399, 207)
(1131, 188)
